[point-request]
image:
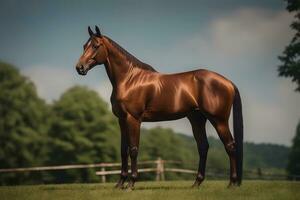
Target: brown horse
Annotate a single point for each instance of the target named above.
(141, 94)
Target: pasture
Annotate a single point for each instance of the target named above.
(175, 190)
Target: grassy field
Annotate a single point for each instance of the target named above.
(175, 190)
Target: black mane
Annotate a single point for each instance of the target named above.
(130, 57)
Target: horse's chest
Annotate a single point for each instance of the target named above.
(118, 106)
(123, 106)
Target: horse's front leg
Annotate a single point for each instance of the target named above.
(133, 129)
(124, 155)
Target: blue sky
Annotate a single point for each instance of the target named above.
(239, 39)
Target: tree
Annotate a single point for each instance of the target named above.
(23, 123)
(291, 55)
(82, 131)
(293, 166)
(291, 68)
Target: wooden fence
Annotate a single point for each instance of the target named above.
(158, 166)
(160, 169)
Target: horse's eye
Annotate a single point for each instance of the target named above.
(95, 46)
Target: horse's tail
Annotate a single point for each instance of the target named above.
(238, 133)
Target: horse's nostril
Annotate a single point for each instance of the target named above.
(81, 69)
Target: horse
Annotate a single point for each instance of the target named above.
(142, 94)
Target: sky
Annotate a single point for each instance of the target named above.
(238, 39)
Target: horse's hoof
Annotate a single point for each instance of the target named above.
(129, 186)
(128, 189)
(233, 184)
(198, 182)
(120, 185)
(195, 185)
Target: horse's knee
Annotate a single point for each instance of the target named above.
(133, 152)
(230, 147)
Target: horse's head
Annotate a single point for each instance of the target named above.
(94, 52)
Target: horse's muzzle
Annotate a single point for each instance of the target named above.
(81, 70)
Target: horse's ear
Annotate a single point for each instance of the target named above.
(90, 32)
(98, 33)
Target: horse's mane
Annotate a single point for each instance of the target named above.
(130, 57)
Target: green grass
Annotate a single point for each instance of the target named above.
(175, 190)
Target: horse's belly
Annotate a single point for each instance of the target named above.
(162, 116)
(166, 111)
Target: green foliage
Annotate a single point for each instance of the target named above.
(293, 166)
(82, 131)
(262, 156)
(22, 123)
(291, 56)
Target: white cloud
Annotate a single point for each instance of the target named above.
(247, 30)
(228, 40)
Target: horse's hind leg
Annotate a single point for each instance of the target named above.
(198, 121)
(223, 131)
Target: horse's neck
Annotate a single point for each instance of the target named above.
(117, 66)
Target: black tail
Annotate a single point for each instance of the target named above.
(238, 132)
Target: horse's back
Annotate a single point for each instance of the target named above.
(203, 78)
(193, 90)
(211, 91)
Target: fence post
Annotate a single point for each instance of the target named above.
(160, 169)
(103, 178)
(162, 172)
(259, 173)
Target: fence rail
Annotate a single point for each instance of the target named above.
(78, 166)
(103, 173)
(159, 170)
(60, 167)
